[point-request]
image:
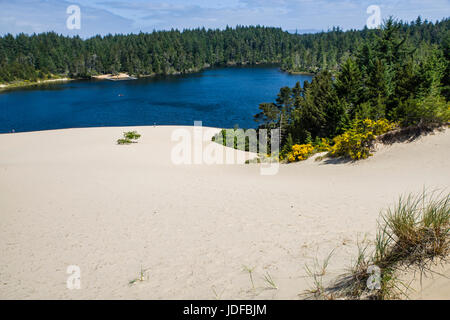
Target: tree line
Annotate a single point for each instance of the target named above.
(45, 55)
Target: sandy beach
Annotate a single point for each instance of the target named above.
(75, 197)
(119, 76)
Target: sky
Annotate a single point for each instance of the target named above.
(132, 16)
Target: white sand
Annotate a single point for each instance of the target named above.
(74, 197)
(111, 76)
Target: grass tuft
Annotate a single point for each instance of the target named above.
(270, 282)
(316, 272)
(143, 275)
(414, 233)
(250, 273)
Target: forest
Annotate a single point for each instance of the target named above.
(396, 77)
(49, 55)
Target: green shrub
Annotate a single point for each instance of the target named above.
(240, 139)
(124, 141)
(128, 137)
(132, 135)
(431, 110)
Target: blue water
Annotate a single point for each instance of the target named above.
(222, 97)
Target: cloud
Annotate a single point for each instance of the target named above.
(124, 16)
(35, 16)
(289, 14)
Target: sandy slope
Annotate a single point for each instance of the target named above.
(73, 197)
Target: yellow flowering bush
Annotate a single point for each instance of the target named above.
(300, 152)
(377, 127)
(322, 145)
(357, 142)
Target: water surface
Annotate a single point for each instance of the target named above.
(222, 97)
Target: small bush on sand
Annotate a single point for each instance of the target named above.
(132, 135)
(124, 141)
(128, 137)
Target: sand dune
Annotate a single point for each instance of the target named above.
(74, 197)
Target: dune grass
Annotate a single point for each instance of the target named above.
(270, 283)
(250, 274)
(316, 272)
(414, 234)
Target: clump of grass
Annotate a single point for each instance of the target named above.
(129, 137)
(143, 275)
(417, 229)
(366, 280)
(250, 273)
(415, 233)
(216, 294)
(316, 272)
(270, 283)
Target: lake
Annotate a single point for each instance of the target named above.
(220, 97)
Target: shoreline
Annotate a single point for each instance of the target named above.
(122, 76)
(26, 83)
(118, 77)
(303, 73)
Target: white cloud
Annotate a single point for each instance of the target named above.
(37, 16)
(104, 16)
